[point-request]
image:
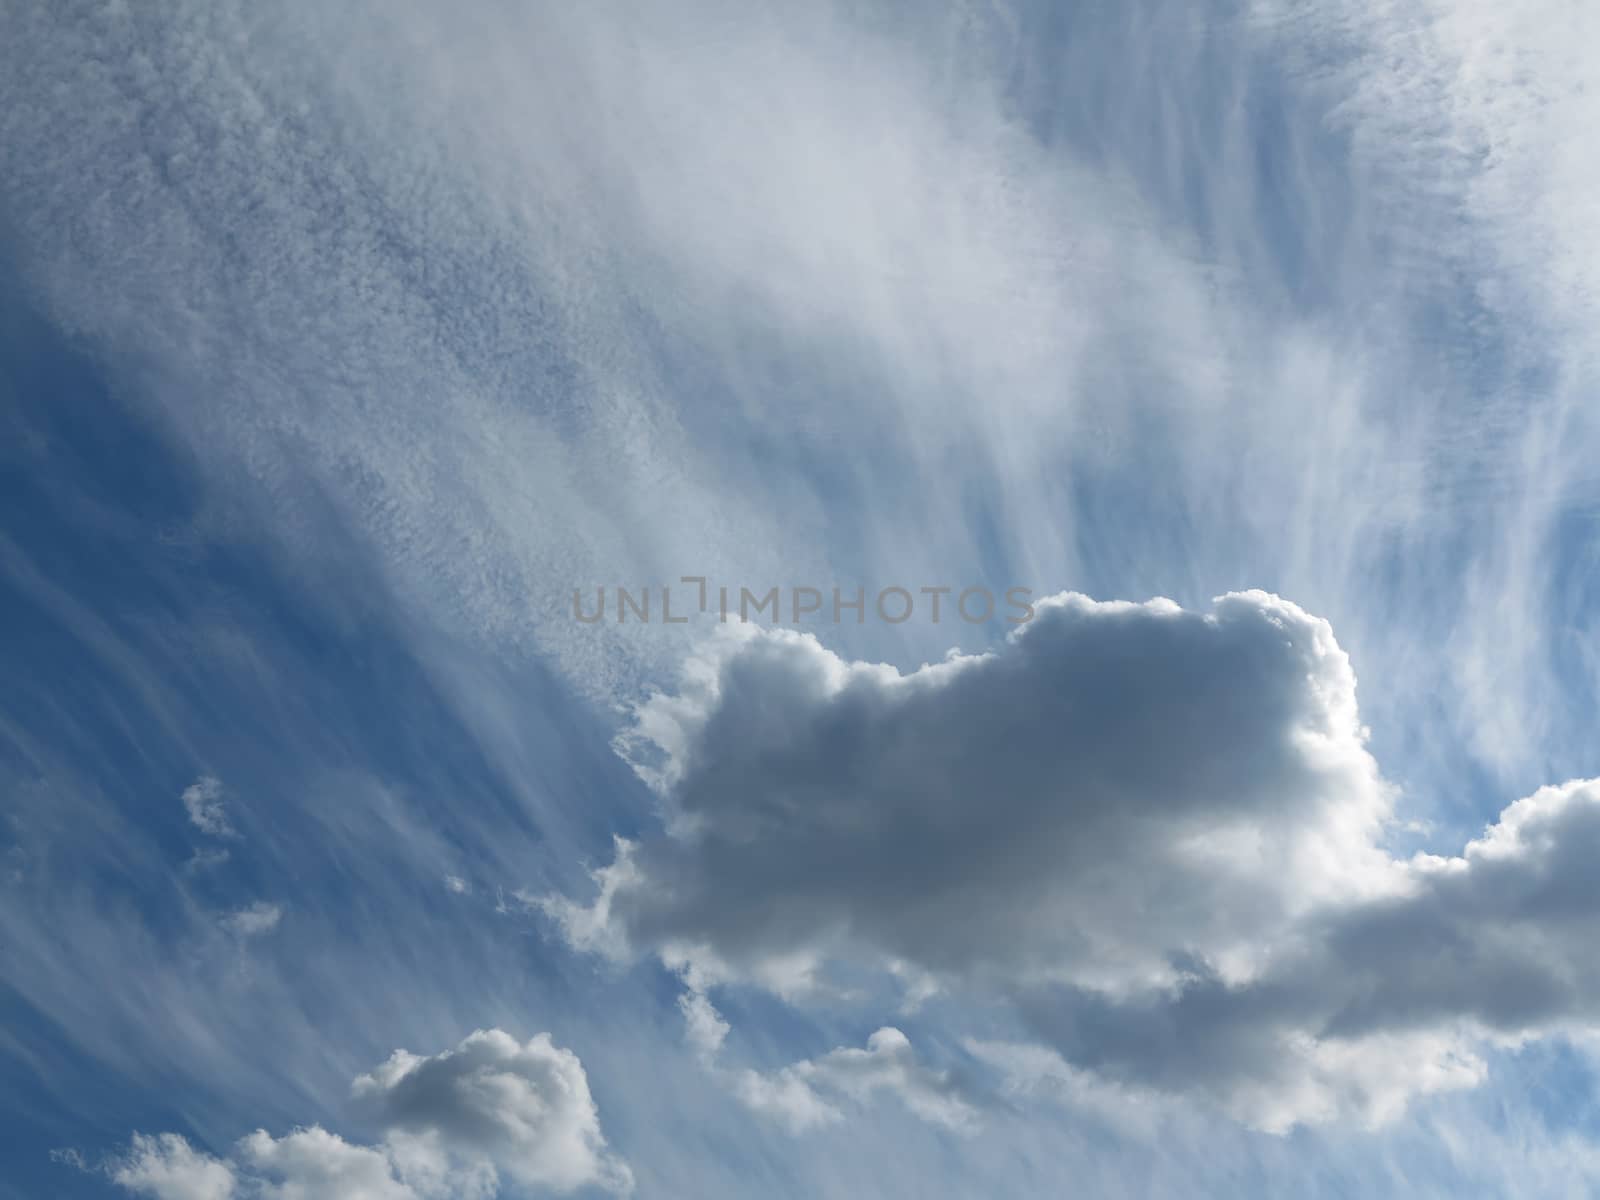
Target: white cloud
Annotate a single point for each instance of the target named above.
(786, 1096)
(888, 1063)
(797, 1095)
(455, 884)
(1470, 117)
(258, 918)
(202, 800)
(166, 1167)
(454, 1123)
(69, 1156)
(703, 1026)
(937, 258)
(524, 1106)
(313, 1164)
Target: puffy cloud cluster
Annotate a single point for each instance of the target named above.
(168, 1168)
(313, 1164)
(524, 1106)
(1371, 1002)
(454, 1123)
(1154, 834)
(803, 1095)
(307, 1164)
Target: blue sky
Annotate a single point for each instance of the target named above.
(340, 344)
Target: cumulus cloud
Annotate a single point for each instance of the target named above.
(526, 1106)
(202, 800)
(168, 1168)
(453, 1123)
(980, 816)
(1374, 1002)
(313, 1164)
(306, 1164)
(1155, 835)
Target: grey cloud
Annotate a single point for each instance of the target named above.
(453, 1123)
(1154, 834)
(525, 1106)
(1118, 785)
(1492, 944)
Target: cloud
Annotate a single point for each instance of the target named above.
(703, 1026)
(205, 859)
(168, 1168)
(454, 1123)
(940, 253)
(306, 1164)
(202, 800)
(313, 1164)
(1373, 1002)
(786, 1096)
(797, 1095)
(1154, 835)
(888, 1063)
(981, 816)
(1464, 116)
(69, 1156)
(258, 918)
(524, 1106)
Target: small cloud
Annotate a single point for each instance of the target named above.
(456, 884)
(167, 1167)
(202, 799)
(205, 859)
(523, 1106)
(454, 1124)
(260, 917)
(801, 1096)
(704, 1028)
(69, 1157)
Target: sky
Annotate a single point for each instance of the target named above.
(1226, 371)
